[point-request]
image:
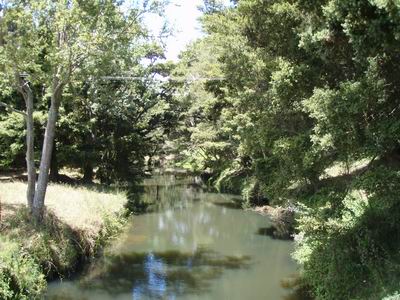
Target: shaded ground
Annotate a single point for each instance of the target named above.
(21, 175)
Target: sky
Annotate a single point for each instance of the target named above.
(183, 16)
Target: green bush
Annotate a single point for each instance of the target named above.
(11, 140)
(354, 254)
(113, 225)
(20, 276)
(52, 244)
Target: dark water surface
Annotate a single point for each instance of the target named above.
(197, 245)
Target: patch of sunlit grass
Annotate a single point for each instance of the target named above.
(81, 208)
(341, 168)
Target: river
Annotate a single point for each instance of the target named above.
(195, 245)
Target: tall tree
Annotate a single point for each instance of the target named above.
(52, 41)
(310, 87)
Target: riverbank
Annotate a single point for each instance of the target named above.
(282, 218)
(78, 222)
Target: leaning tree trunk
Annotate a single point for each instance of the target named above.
(45, 161)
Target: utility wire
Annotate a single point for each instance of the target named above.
(174, 79)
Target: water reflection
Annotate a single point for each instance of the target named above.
(268, 231)
(297, 289)
(193, 245)
(155, 197)
(155, 284)
(161, 193)
(160, 275)
(230, 204)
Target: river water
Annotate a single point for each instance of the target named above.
(195, 245)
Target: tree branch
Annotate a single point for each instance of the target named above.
(9, 107)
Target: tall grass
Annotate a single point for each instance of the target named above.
(78, 220)
(82, 208)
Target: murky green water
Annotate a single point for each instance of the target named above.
(197, 246)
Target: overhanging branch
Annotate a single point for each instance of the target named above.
(9, 107)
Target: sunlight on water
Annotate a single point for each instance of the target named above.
(194, 245)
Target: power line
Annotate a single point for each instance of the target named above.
(165, 79)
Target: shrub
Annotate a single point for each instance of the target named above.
(353, 253)
(20, 275)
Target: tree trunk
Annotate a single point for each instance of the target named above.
(48, 142)
(26, 92)
(88, 173)
(54, 175)
(30, 152)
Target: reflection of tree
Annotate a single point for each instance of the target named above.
(155, 285)
(161, 274)
(297, 289)
(187, 221)
(167, 192)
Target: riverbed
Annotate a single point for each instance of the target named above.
(194, 245)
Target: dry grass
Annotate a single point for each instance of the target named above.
(81, 208)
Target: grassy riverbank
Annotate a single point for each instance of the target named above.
(78, 221)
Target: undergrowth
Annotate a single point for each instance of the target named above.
(30, 253)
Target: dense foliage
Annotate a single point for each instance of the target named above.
(20, 276)
(289, 102)
(301, 107)
(112, 114)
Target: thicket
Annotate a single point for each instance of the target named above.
(111, 113)
(302, 108)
